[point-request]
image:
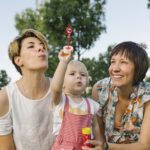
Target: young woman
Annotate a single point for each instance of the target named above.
(25, 118)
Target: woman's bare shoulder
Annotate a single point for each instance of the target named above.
(4, 104)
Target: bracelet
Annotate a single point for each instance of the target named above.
(105, 147)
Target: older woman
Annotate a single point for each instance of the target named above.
(124, 97)
(25, 120)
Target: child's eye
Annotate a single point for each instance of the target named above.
(83, 75)
(71, 74)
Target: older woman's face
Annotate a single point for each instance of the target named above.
(121, 71)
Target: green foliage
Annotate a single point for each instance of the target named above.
(4, 79)
(148, 5)
(52, 17)
(147, 79)
(28, 19)
(98, 68)
(53, 61)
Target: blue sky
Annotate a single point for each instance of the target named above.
(124, 19)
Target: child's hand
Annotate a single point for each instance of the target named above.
(65, 54)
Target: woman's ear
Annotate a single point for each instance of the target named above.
(18, 61)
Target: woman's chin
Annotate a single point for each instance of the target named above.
(117, 84)
(41, 68)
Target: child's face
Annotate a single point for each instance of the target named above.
(76, 79)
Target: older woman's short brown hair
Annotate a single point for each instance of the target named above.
(15, 45)
(137, 55)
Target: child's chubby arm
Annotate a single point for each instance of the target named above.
(58, 78)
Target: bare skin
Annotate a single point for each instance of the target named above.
(33, 61)
(121, 72)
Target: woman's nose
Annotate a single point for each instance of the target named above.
(40, 48)
(116, 67)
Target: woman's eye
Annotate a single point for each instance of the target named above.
(42, 46)
(124, 62)
(112, 62)
(30, 46)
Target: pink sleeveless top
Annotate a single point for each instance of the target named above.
(70, 136)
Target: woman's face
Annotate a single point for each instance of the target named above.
(121, 71)
(33, 54)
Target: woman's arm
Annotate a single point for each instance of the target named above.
(95, 95)
(143, 142)
(144, 139)
(98, 130)
(6, 141)
(4, 104)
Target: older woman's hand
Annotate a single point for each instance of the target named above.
(98, 145)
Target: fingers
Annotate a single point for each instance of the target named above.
(96, 148)
(95, 142)
(65, 54)
(67, 49)
(98, 145)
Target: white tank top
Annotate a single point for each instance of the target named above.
(31, 120)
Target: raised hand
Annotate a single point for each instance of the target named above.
(65, 54)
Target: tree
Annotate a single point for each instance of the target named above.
(53, 61)
(53, 16)
(4, 79)
(148, 5)
(98, 68)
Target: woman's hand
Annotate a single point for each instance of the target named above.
(98, 145)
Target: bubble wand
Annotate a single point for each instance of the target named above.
(68, 32)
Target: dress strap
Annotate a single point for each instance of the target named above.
(66, 104)
(88, 105)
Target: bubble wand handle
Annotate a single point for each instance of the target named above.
(69, 32)
(68, 48)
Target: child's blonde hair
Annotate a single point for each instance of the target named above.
(15, 46)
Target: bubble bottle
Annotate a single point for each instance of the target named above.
(86, 135)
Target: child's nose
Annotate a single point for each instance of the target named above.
(79, 76)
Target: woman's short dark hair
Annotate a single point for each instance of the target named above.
(137, 55)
